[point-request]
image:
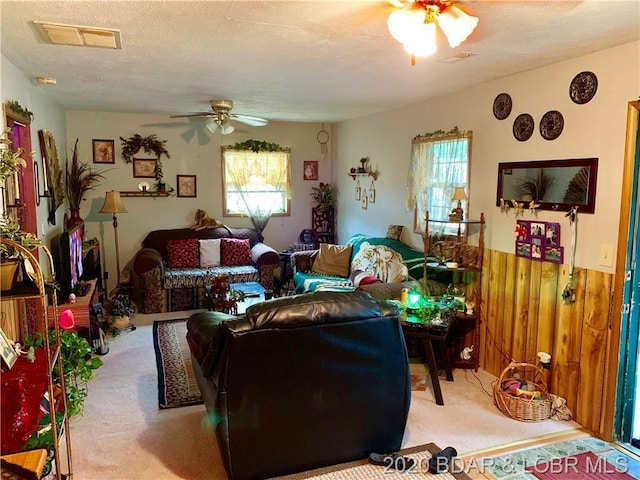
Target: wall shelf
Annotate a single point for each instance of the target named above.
(370, 173)
(144, 194)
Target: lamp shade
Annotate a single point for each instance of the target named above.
(459, 194)
(226, 128)
(456, 25)
(113, 203)
(212, 125)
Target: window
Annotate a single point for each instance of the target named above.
(256, 183)
(439, 163)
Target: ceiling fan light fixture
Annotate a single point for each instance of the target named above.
(212, 125)
(226, 128)
(413, 25)
(456, 25)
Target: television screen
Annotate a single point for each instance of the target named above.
(66, 250)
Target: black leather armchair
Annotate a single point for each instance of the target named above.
(302, 382)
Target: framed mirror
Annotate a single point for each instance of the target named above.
(52, 173)
(553, 184)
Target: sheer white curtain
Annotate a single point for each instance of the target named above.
(439, 163)
(259, 181)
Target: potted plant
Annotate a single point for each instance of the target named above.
(80, 179)
(121, 309)
(323, 195)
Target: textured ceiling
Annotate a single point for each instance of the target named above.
(321, 61)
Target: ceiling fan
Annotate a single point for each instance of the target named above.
(221, 115)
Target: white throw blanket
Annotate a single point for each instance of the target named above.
(381, 261)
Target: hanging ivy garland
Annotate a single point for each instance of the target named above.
(454, 131)
(19, 109)
(132, 145)
(257, 145)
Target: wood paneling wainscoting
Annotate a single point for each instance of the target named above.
(523, 313)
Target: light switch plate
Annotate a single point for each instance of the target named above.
(606, 255)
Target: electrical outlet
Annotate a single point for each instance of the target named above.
(606, 255)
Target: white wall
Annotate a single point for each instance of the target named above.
(595, 129)
(194, 151)
(47, 115)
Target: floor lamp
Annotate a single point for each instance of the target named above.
(113, 204)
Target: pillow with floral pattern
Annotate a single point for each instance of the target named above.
(183, 253)
(235, 252)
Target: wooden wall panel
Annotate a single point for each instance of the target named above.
(523, 313)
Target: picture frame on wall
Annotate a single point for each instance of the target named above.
(310, 171)
(144, 167)
(186, 186)
(539, 241)
(8, 353)
(103, 151)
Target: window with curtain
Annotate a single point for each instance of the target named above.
(439, 163)
(256, 184)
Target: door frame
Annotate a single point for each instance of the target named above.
(616, 360)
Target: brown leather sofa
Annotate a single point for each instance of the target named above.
(158, 288)
(302, 382)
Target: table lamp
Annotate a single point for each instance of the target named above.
(113, 204)
(459, 195)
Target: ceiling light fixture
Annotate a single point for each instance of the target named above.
(220, 121)
(414, 25)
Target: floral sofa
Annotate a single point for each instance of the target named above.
(377, 265)
(173, 266)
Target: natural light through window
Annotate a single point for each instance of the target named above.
(256, 183)
(439, 163)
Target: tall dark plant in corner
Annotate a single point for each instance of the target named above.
(80, 179)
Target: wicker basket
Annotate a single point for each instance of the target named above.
(523, 409)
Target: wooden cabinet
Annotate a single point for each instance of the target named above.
(40, 374)
(452, 253)
(323, 223)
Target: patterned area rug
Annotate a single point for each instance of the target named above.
(363, 470)
(177, 386)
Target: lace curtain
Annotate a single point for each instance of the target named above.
(262, 179)
(439, 162)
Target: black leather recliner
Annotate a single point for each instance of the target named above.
(302, 382)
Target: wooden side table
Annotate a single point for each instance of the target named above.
(431, 332)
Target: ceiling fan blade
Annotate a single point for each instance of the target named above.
(201, 114)
(250, 120)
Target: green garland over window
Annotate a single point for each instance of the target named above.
(19, 109)
(454, 131)
(132, 145)
(257, 145)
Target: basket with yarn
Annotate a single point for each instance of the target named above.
(523, 400)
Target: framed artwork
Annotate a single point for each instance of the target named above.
(144, 167)
(7, 352)
(36, 183)
(365, 200)
(539, 241)
(186, 186)
(103, 151)
(310, 170)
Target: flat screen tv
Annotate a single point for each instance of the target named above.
(66, 250)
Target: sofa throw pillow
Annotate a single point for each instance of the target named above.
(209, 252)
(381, 261)
(183, 253)
(359, 277)
(332, 260)
(235, 252)
(395, 232)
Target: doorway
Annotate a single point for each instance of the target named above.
(627, 419)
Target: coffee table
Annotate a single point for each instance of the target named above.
(431, 331)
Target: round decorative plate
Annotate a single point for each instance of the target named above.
(502, 106)
(523, 127)
(583, 87)
(551, 125)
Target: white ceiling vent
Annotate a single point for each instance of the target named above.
(61, 34)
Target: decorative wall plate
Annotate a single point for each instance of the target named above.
(502, 106)
(523, 127)
(583, 87)
(551, 125)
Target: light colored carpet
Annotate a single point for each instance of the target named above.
(123, 435)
